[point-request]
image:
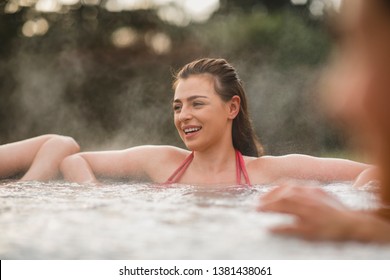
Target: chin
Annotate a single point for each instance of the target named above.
(193, 146)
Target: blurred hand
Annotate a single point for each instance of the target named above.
(319, 215)
(368, 176)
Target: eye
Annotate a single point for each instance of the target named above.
(197, 104)
(176, 107)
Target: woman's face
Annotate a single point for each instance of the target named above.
(201, 117)
(359, 76)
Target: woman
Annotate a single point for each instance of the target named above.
(37, 158)
(211, 117)
(362, 95)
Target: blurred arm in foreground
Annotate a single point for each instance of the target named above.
(358, 90)
(320, 216)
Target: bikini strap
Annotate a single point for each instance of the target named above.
(175, 177)
(240, 168)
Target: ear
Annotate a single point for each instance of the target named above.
(234, 107)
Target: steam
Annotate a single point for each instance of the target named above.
(46, 102)
(118, 96)
(284, 109)
(138, 111)
(40, 94)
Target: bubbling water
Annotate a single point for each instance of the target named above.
(59, 220)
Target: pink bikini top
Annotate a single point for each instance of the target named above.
(240, 169)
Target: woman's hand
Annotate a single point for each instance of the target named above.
(77, 169)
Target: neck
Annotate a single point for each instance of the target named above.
(215, 159)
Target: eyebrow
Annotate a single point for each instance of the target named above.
(191, 98)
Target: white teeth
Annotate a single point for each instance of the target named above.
(192, 129)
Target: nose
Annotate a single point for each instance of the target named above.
(185, 114)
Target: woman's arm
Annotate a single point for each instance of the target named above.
(304, 167)
(138, 162)
(38, 157)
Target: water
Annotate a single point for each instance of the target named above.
(60, 220)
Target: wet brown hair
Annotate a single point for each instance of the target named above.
(227, 84)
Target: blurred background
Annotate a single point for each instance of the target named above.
(101, 70)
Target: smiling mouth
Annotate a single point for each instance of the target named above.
(191, 130)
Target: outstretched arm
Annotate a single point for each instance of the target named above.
(38, 157)
(138, 162)
(304, 167)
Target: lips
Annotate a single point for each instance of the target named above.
(191, 129)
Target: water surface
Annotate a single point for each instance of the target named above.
(59, 220)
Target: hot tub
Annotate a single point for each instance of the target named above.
(60, 220)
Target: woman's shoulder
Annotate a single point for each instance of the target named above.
(165, 150)
(160, 152)
(262, 160)
(283, 159)
(266, 169)
(160, 161)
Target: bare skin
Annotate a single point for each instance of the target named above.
(197, 106)
(38, 158)
(320, 216)
(370, 175)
